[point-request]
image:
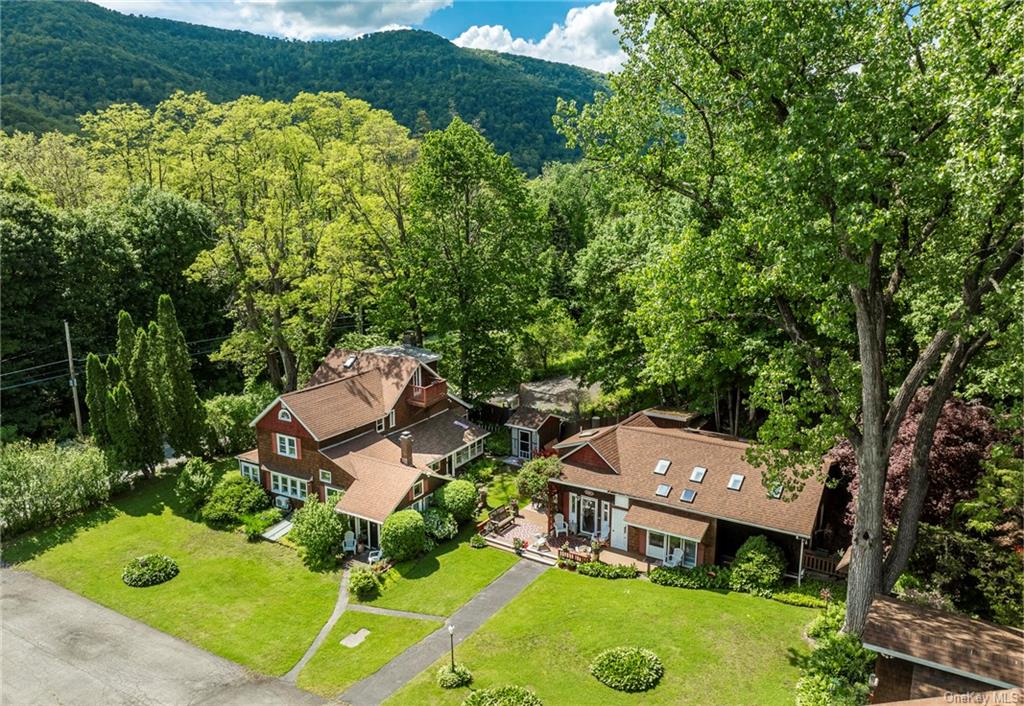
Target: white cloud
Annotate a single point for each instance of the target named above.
(586, 38)
(296, 19)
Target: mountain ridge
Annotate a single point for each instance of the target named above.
(62, 59)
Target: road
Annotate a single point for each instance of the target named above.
(60, 648)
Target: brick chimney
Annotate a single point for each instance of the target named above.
(405, 442)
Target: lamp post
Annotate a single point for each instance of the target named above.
(451, 637)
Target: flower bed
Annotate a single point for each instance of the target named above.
(628, 668)
(508, 695)
(706, 576)
(607, 571)
(149, 570)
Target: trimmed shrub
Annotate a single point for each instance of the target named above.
(627, 668)
(706, 576)
(507, 695)
(255, 525)
(836, 672)
(149, 570)
(607, 571)
(195, 483)
(477, 541)
(363, 583)
(233, 497)
(758, 567)
(457, 497)
(318, 531)
(439, 524)
(448, 678)
(403, 535)
(828, 622)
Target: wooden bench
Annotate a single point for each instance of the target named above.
(500, 519)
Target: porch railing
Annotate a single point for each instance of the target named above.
(820, 564)
(426, 395)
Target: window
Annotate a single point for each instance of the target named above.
(386, 422)
(417, 378)
(663, 490)
(688, 495)
(688, 547)
(286, 485)
(698, 474)
(284, 415)
(735, 481)
(381, 424)
(250, 471)
(391, 419)
(325, 476)
(287, 446)
(662, 467)
(417, 489)
(349, 362)
(656, 539)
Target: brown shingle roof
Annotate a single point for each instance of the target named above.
(378, 489)
(395, 371)
(635, 451)
(338, 406)
(528, 418)
(988, 652)
(250, 456)
(664, 520)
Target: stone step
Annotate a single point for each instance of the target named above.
(528, 553)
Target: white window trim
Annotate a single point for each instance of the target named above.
(391, 419)
(667, 547)
(294, 446)
(281, 484)
(250, 471)
(418, 484)
(284, 415)
(328, 474)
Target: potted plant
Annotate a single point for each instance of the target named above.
(518, 545)
(595, 548)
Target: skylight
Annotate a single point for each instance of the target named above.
(775, 492)
(735, 481)
(462, 424)
(688, 495)
(662, 467)
(588, 432)
(698, 474)
(349, 362)
(663, 490)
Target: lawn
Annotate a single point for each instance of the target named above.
(717, 648)
(335, 667)
(253, 603)
(443, 579)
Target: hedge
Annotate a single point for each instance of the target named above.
(707, 576)
(363, 583)
(607, 571)
(149, 570)
(627, 668)
(403, 535)
(439, 524)
(42, 484)
(232, 498)
(457, 497)
(507, 695)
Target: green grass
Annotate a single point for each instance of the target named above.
(335, 667)
(717, 648)
(502, 489)
(442, 580)
(253, 603)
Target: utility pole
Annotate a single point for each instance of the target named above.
(74, 380)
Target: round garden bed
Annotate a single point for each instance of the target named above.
(627, 668)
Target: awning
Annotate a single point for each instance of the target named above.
(652, 518)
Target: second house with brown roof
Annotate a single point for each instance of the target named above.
(377, 427)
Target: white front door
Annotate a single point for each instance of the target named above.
(618, 528)
(524, 439)
(588, 516)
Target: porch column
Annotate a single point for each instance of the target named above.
(551, 508)
(800, 565)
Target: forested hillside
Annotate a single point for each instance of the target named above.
(64, 59)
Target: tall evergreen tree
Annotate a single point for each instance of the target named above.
(96, 388)
(183, 412)
(125, 340)
(113, 369)
(122, 425)
(148, 429)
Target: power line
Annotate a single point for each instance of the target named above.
(33, 382)
(34, 367)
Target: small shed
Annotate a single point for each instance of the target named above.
(532, 430)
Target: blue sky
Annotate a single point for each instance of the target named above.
(578, 33)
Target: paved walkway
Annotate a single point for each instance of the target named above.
(396, 673)
(360, 608)
(61, 648)
(339, 608)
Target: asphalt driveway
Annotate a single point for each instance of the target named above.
(60, 648)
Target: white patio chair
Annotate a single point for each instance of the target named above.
(375, 556)
(349, 543)
(675, 559)
(560, 526)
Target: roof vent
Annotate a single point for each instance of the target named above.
(349, 362)
(662, 467)
(735, 481)
(588, 432)
(688, 495)
(698, 474)
(663, 490)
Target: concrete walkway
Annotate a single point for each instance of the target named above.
(61, 648)
(339, 608)
(360, 608)
(396, 673)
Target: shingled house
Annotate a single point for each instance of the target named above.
(378, 427)
(650, 486)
